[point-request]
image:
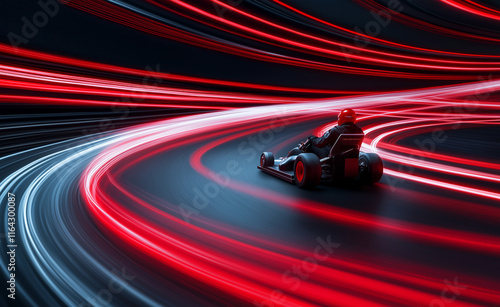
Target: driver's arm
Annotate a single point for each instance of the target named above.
(328, 138)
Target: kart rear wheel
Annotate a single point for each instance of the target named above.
(307, 170)
(266, 159)
(371, 167)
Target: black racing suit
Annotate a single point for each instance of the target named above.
(321, 145)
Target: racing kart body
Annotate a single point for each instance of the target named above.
(344, 162)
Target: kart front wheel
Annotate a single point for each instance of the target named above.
(307, 170)
(266, 159)
(371, 167)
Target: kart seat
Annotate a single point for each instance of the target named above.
(345, 153)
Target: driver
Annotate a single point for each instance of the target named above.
(321, 146)
(346, 124)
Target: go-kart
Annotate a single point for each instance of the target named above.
(344, 162)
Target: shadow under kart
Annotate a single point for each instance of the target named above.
(344, 162)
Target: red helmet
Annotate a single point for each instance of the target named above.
(347, 116)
